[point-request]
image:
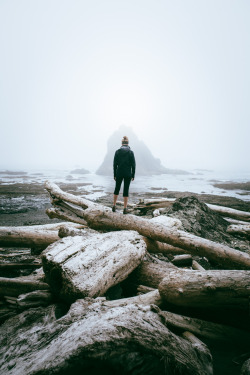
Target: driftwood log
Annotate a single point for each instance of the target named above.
(34, 299)
(197, 266)
(11, 266)
(33, 236)
(214, 290)
(79, 266)
(205, 329)
(92, 337)
(102, 218)
(160, 247)
(151, 298)
(26, 237)
(241, 229)
(16, 286)
(230, 212)
(150, 274)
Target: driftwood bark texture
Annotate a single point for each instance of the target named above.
(214, 290)
(93, 337)
(239, 229)
(17, 286)
(33, 236)
(205, 329)
(102, 218)
(26, 237)
(78, 267)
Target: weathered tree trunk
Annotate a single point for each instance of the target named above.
(150, 274)
(160, 247)
(99, 217)
(150, 298)
(76, 267)
(26, 237)
(203, 349)
(197, 266)
(57, 213)
(230, 212)
(211, 290)
(34, 299)
(17, 286)
(66, 231)
(237, 222)
(204, 329)
(11, 266)
(92, 337)
(243, 230)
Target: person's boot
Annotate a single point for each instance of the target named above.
(113, 208)
(125, 211)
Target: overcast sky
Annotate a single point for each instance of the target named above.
(177, 72)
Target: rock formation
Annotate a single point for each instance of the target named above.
(146, 163)
(80, 171)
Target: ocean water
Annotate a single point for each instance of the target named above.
(198, 181)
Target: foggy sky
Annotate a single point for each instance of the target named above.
(177, 72)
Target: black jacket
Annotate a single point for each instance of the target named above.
(124, 162)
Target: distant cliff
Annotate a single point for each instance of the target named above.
(146, 163)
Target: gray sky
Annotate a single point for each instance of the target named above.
(177, 72)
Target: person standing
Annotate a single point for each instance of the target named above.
(124, 170)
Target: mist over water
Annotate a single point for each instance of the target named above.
(198, 181)
(176, 72)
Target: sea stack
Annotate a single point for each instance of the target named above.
(146, 163)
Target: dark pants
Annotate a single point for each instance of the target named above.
(125, 186)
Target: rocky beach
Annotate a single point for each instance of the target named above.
(23, 203)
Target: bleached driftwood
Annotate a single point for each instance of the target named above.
(230, 212)
(150, 298)
(102, 218)
(160, 247)
(67, 231)
(64, 215)
(241, 229)
(26, 237)
(93, 337)
(151, 274)
(16, 266)
(204, 329)
(17, 286)
(203, 349)
(234, 221)
(76, 267)
(197, 266)
(34, 299)
(213, 290)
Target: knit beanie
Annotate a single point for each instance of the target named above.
(125, 140)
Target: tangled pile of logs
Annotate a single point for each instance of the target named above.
(104, 300)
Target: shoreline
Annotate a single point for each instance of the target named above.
(25, 203)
